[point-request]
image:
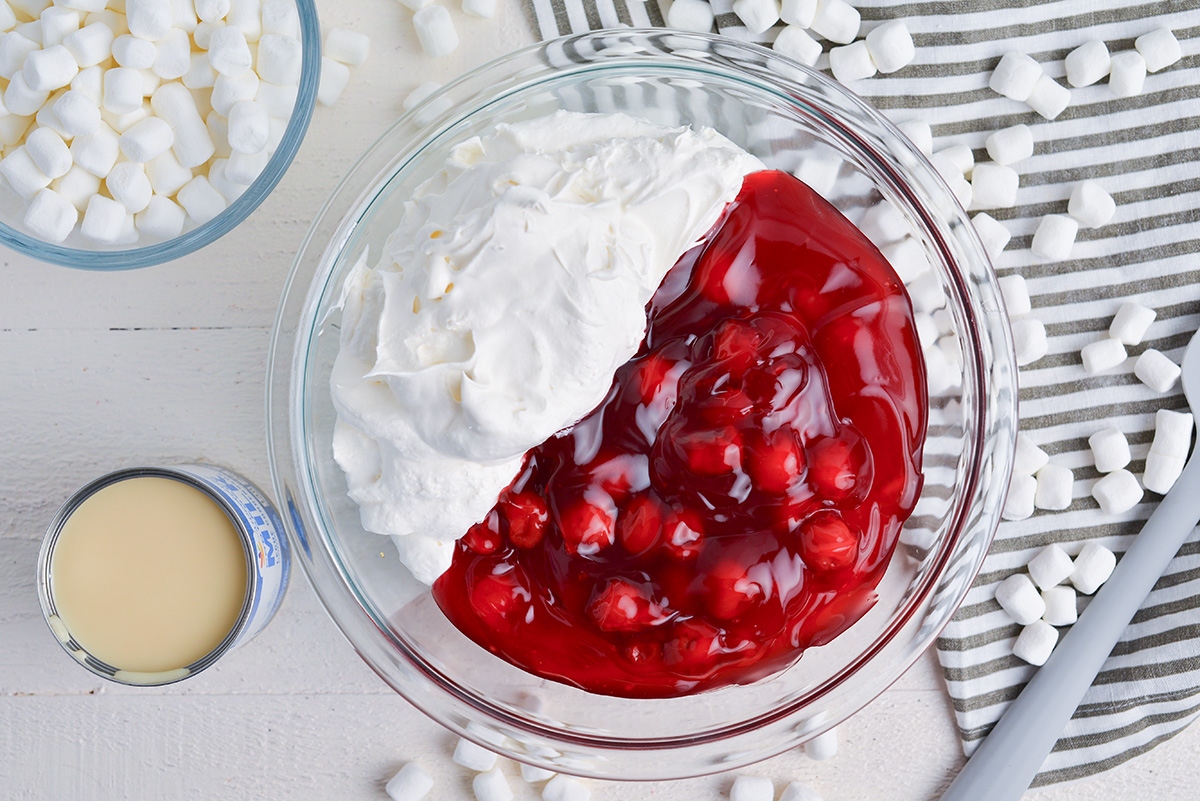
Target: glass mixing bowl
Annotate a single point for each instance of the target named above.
(83, 254)
(785, 114)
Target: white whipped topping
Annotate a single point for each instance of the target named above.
(512, 290)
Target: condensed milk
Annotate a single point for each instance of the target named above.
(148, 575)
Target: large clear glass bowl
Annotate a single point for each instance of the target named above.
(785, 114)
(83, 254)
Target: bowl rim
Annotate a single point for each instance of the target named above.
(202, 235)
(282, 381)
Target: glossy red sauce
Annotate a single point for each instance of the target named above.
(736, 497)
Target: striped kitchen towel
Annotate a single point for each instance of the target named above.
(1145, 151)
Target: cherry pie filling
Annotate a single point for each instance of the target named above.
(737, 496)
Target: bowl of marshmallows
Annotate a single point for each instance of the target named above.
(134, 132)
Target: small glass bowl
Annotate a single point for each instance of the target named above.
(84, 255)
(786, 115)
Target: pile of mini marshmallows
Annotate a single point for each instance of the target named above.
(435, 28)
(1039, 601)
(143, 118)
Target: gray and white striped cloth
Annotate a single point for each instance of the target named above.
(1145, 151)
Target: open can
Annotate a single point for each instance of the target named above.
(263, 543)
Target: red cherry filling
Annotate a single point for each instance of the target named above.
(756, 460)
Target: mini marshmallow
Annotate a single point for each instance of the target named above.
(1162, 471)
(1159, 48)
(940, 375)
(799, 791)
(1020, 599)
(51, 216)
(202, 36)
(148, 19)
(115, 22)
(960, 156)
(907, 258)
(279, 101)
(200, 74)
(77, 186)
(1054, 487)
(820, 174)
(21, 99)
(1050, 567)
(927, 332)
(13, 128)
(752, 788)
(280, 59)
(97, 152)
(1128, 74)
(212, 10)
(1062, 607)
(1093, 566)
(486, 9)
(891, 46)
(161, 219)
(1015, 76)
(1035, 642)
(473, 757)
(757, 15)
(129, 186)
(1172, 433)
(243, 168)
(218, 130)
(334, 77)
(795, 43)
(130, 51)
(415, 5)
(172, 55)
(1029, 458)
(149, 138)
(411, 783)
(1090, 204)
(1019, 503)
(49, 153)
(230, 190)
(1110, 450)
(800, 13)
(103, 220)
(89, 45)
(1029, 340)
(1117, 492)
(167, 176)
(249, 127)
(690, 15)
(492, 786)
(926, 292)
(882, 224)
(122, 90)
(150, 82)
(435, 31)
(920, 133)
(822, 747)
(348, 47)
(228, 92)
(992, 233)
(89, 83)
(837, 21)
(1156, 371)
(46, 118)
(994, 186)
(77, 115)
(57, 23)
(565, 788)
(8, 20)
(1088, 63)
(1010, 145)
(1054, 237)
(1131, 323)
(961, 189)
(1102, 356)
(280, 17)
(201, 201)
(532, 775)
(246, 16)
(423, 91)
(192, 142)
(123, 122)
(1016, 295)
(1049, 97)
(14, 49)
(228, 52)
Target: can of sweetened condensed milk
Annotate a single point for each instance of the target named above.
(149, 575)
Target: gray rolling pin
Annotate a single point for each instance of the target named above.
(1011, 755)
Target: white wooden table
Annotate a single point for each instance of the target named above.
(168, 364)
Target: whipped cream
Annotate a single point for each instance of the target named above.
(503, 304)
